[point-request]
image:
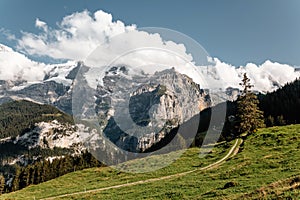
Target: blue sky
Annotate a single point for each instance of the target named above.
(237, 32)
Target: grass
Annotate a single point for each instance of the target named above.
(267, 166)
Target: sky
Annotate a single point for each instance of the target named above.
(236, 32)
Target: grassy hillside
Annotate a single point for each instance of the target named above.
(268, 165)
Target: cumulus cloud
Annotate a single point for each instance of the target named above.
(81, 33)
(14, 66)
(140, 50)
(75, 38)
(265, 77)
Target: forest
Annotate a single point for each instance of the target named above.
(19, 117)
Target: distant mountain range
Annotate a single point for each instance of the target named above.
(174, 97)
(168, 95)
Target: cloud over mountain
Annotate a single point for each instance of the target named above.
(265, 77)
(79, 34)
(15, 66)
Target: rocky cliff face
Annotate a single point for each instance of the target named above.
(48, 135)
(137, 111)
(44, 139)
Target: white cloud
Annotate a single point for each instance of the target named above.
(7, 34)
(41, 24)
(76, 37)
(141, 50)
(14, 66)
(79, 34)
(265, 77)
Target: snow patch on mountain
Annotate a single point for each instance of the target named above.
(23, 78)
(55, 134)
(60, 72)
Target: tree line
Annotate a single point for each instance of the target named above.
(46, 170)
(275, 108)
(19, 117)
(282, 106)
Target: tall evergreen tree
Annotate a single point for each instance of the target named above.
(250, 118)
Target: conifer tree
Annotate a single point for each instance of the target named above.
(2, 184)
(280, 120)
(270, 121)
(250, 118)
(16, 181)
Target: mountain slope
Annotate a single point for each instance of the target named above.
(283, 102)
(267, 156)
(20, 116)
(30, 132)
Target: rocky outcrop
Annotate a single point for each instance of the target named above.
(47, 138)
(137, 111)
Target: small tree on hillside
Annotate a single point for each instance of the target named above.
(250, 118)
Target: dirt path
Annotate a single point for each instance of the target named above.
(233, 151)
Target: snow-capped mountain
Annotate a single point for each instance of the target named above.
(15, 66)
(22, 78)
(172, 91)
